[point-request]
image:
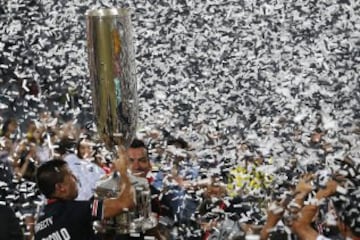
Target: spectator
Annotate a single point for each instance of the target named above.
(86, 172)
(9, 129)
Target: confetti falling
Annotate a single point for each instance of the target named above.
(235, 79)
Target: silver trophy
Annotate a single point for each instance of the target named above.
(139, 219)
(113, 81)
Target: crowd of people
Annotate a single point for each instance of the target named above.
(49, 174)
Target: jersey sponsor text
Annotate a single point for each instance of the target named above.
(43, 224)
(62, 234)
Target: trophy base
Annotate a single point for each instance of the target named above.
(136, 227)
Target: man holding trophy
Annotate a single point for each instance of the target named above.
(63, 217)
(121, 206)
(114, 87)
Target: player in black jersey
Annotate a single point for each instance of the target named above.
(63, 218)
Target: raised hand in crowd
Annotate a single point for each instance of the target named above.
(292, 203)
(301, 226)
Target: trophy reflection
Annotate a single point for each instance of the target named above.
(114, 92)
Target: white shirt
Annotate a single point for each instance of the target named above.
(87, 174)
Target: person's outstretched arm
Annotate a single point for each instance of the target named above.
(125, 201)
(274, 214)
(301, 226)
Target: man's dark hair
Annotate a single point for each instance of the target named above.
(137, 143)
(48, 175)
(278, 234)
(66, 145)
